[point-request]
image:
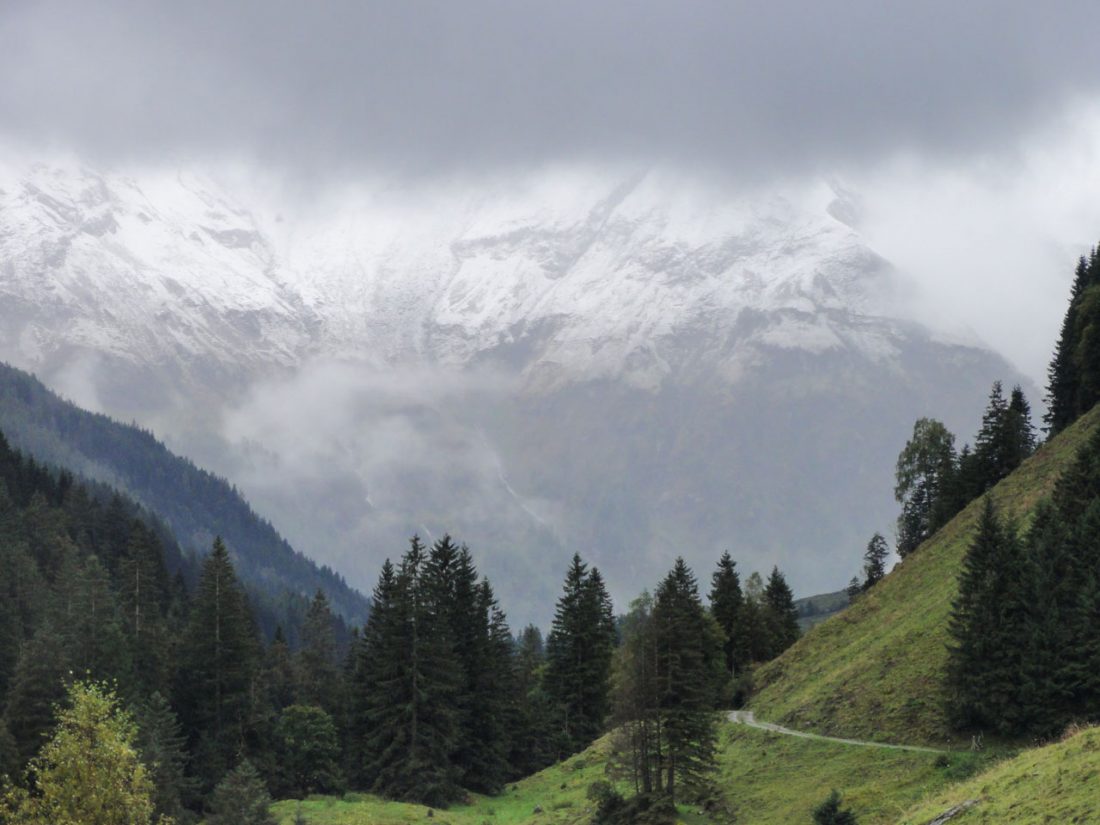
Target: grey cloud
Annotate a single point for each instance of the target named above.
(430, 86)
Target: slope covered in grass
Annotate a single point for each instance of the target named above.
(1056, 783)
(766, 778)
(875, 671)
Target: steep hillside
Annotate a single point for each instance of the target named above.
(1056, 783)
(875, 670)
(195, 504)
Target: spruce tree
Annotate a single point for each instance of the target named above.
(829, 812)
(973, 626)
(725, 605)
(373, 665)
(142, 599)
(781, 614)
(280, 674)
(320, 679)
(579, 652)
(411, 706)
(685, 685)
(854, 589)
(1021, 432)
(241, 798)
(1062, 375)
(98, 645)
(219, 663)
(874, 561)
(753, 621)
(36, 688)
(163, 750)
(536, 739)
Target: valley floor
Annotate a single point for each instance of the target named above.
(767, 777)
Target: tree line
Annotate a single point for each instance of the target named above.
(432, 698)
(1025, 653)
(934, 481)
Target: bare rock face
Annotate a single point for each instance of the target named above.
(632, 366)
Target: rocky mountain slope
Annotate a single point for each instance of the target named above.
(627, 365)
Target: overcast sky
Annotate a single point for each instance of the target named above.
(963, 117)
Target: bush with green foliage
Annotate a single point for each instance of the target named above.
(241, 798)
(829, 812)
(308, 752)
(89, 772)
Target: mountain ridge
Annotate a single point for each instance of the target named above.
(627, 365)
(195, 504)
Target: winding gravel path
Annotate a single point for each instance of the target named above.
(746, 717)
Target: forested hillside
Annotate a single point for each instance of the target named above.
(195, 504)
(877, 670)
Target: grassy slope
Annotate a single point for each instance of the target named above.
(768, 779)
(1054, 784)
(875, 670)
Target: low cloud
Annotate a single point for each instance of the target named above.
(425, 87)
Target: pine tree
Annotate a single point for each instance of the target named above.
(989, 444)
(1021, 433)
(829, 812)
(219, 661)
(411, 704)
(781, 614)
(973, 626)
(684, 682)
(163, 750)
(280, 674)
(1062, 375)
(536, 740)
(579, 652)
(854, 589)
(725, 605)
(874, 561)
(142, 597)
(372, 667)
(753, 621)
(241, 798)
(637, 747)
(99, 648)
(320, 680)
(37, 686)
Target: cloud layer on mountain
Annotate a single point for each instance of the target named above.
(783, 87)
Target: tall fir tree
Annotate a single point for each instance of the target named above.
(579, 652)
(219, 664)
(782, 615)
(874, 561)
(241, 798)
(1062, 374)
(37, 687)
(988, 672)
(725, 605)
(163, 750)
(685, 684)
(417, 676)
(320, 677)
(142, 601)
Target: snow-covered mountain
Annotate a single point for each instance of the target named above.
(630, 365)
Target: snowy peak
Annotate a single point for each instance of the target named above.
(594, 277)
